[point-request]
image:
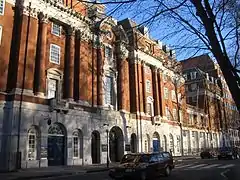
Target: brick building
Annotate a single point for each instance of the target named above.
(206, 89)
(76, 86)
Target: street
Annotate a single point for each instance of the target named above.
(207, 169)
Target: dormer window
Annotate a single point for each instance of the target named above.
(193, 75)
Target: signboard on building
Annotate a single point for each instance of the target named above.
(104, 147)
(127, 147)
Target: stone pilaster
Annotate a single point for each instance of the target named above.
(155, 91)
(69, 63)
(160, 92)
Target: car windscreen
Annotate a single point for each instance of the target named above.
(132, 158)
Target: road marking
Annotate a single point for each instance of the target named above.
(224, 172)
(226, 166)
(184, 166)
(210, 166)
(197, 166)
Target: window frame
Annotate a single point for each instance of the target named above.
(76, 146)
(32, 132)
(60, 29)
(112, 97)
(50, 54)
(175, 114)
(3, 8)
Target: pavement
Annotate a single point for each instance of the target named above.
(59, 171)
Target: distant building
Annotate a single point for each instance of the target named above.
(206, 89)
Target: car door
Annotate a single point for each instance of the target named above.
(153, 165)
(161, 163)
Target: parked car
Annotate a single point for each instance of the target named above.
(143, 166)
(207, 154)
(228, 153)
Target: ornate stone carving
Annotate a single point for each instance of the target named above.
(122, 51)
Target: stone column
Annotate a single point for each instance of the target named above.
(69, 63)
(155, 91)
(40, 82)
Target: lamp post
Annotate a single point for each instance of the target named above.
(107, 131)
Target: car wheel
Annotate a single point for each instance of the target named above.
(167, 171)
(143, 176)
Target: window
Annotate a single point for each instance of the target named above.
(193, 87)
(174, 114)
(2, 6)
(167, 113)
(108, 52)
(0, 34)
(109, 90)
(149, 109)
(32, 144)
(165, 93)
(56, 29)
(54, 54)
(148, 86)
(180, 115)
(173, 95)
(193, 75)
(171, 143)
(190, 118)
(178, 143)
(52, 88)
(76, 144)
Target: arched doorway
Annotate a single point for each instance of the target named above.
(56, 145)
(156, 142)
(133, 143)
(95, 147)
(116, 145)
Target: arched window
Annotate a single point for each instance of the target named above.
(77, 144)
(171, 143)
(164, 143)
(32, 144)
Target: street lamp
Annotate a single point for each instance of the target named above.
(107, 131)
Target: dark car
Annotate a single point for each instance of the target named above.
(143, 166)
(228, 153)
(207, 154)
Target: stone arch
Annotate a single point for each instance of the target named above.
(171, 143)
(116, 144)
(57, 149)
(133, 143)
